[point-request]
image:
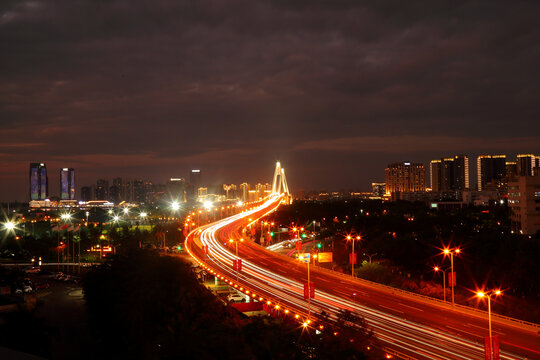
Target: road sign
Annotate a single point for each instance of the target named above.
(237, 265)
(325, 257)
(487, 347)
(352, 258)
(305, 257)
(309, 288)
(452, 279)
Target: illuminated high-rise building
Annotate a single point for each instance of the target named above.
(176, 189)
(378, 189)
(461, 173)
(490, 169)
(39, 183)
(435, 175)
(405, 177)
(195, 178)
(449, 174)
(67, 184)
(525, 164)
(511, 169)
(244, 191)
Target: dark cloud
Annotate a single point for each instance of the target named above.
(151, 88)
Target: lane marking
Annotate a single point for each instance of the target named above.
(412, 307)
(389, 308)
(463, 331)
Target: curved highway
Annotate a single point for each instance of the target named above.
(406, 324)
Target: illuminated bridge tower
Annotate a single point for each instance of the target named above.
(279, 185)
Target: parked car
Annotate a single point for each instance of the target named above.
(236, 297)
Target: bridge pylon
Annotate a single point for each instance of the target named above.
(279, 185)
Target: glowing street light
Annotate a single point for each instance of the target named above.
(436, 268)
(126, 210)
(207, 205)
(143, 214)
(488, 294)
(302, 258)
(116, 218)
(451, 252)
(353, 259)
(9, 226)
(175, 206)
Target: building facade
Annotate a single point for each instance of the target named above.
(490, 169)
(405, 177)
(525, 164)
(524, 203)
(378, 189)
(39, 182)
(67, 184)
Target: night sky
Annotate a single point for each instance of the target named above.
(335, 90)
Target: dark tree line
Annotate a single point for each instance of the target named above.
(145, 306)
(409, 237)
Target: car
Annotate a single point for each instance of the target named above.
(42, 286)
(236, 297)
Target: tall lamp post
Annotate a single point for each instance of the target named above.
(436, 268)
(66, 217)
(488, 294)
(451, 252)
(353, 259)
(307, 260)
(237, 263)
(369, 256)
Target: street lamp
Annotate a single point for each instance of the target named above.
(451, 252)
(369, 256)
(353, 260)
(65, 217)
(9, 226)
(488, 294)
(301, 258)
(175, 206)
(236, 243)
(436, 268)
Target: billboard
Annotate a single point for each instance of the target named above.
(325, 257)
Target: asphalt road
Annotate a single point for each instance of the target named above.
(416, 327)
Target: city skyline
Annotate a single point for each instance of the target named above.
(332, 90)
(465, 176)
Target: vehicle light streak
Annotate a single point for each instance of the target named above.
(396, 332)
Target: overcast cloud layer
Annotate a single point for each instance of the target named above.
(335, 90)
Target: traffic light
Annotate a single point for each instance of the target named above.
(303, 236)
(178, 248)
(319, 245)
(271, 233)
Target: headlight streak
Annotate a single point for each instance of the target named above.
(395, 331)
